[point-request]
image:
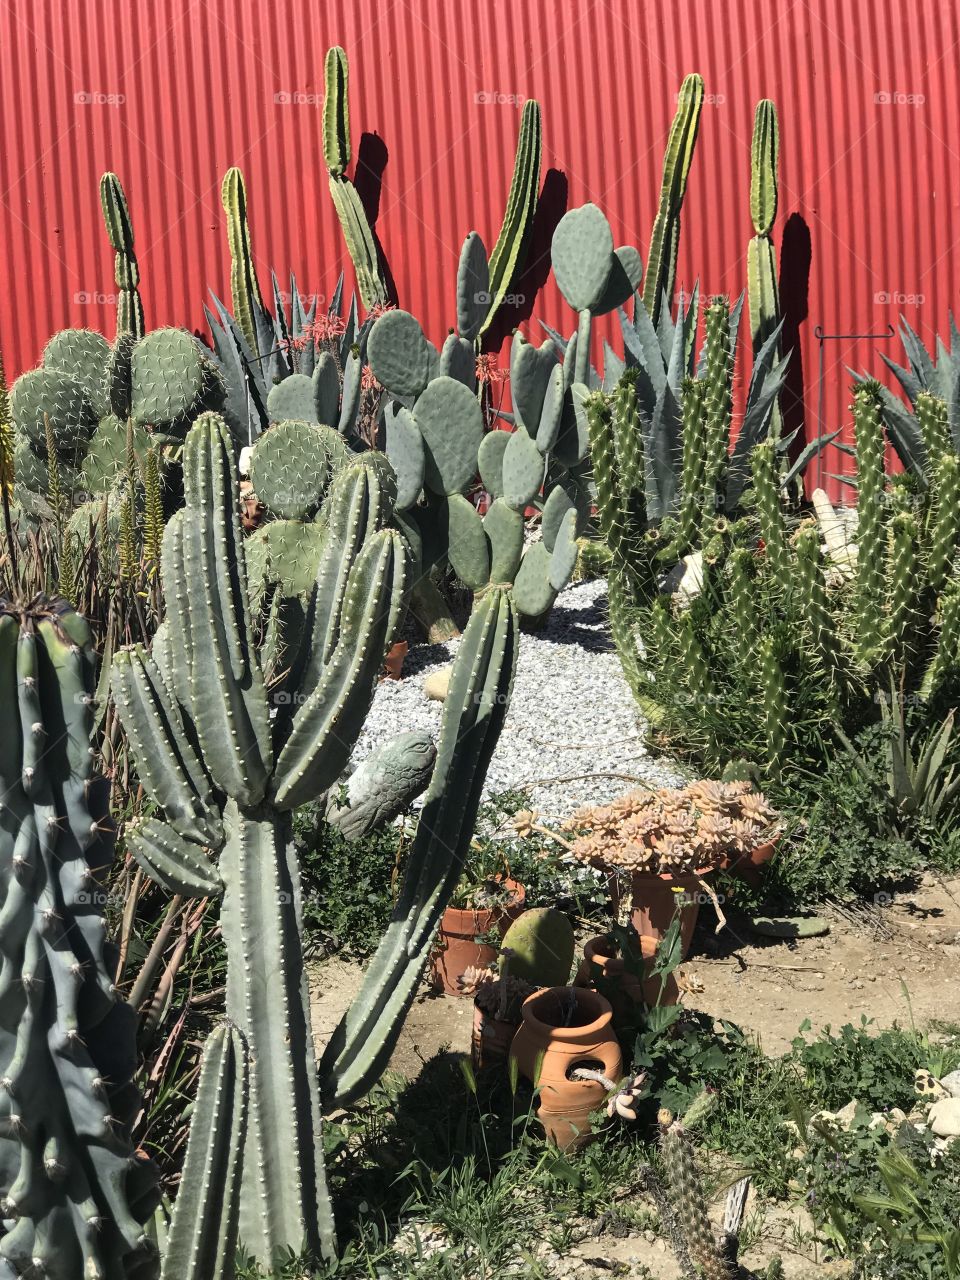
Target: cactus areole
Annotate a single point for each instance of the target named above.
(74, 1196)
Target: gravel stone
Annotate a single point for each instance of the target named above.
(571, 716)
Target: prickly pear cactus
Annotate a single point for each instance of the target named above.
(74, 1196)
(541, 946)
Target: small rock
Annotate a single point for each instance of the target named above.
(951, 1083)
(927, 1086)
(437, 683)
(944, 1118)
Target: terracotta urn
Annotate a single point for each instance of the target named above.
(602, 959)
(490, 1039)
(657, 896)
(564, 1028)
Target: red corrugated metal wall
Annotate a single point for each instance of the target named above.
(172, 92)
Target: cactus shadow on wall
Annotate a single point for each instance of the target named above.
(372, 159)
(551, 206)
(795, 258)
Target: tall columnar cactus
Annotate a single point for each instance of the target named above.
(693, 463)
(946, 657)
(774, 699)
(665, 237)
(943, 528)
(227, 772)
(508, 253)
(687, 1201)
(871, 534)
(761, 259)
(905, 587)
(718, 402)
(611, 516)
(743, 602)
(73, 1195)
(628, 438)
(361, 244)
(244, 286)
(116, 216)
(934, 422)
(813, 603)
(763, 465)
(696, 664)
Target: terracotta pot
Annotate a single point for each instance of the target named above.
(460, 928)
(602, 959)
(655, 901)
(393, 662)
(490, 1040)
(546, 1051)
(748, 867)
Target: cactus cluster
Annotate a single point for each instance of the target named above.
(74, 1196)
(226, 756)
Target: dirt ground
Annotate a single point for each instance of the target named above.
(896, 962)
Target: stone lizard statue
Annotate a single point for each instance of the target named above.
(383, 785)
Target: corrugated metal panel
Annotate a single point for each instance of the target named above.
(171, 93)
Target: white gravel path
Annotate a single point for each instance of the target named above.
(571, 715)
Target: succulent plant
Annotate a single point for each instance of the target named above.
(75, 1196)
(116, 217)
(226, 773)
(688, 1203)
(665, 238)
(540, 944)
(761, 259)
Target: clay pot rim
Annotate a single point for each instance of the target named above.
(465, 921)
(569, 1034)
(756, 857)
(677, 877)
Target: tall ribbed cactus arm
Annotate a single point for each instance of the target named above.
(665, 238)
(762, 289)
(227, 698)
(473, 715)
(116, 216)
(610, 513)
(361, 244)
(72, 1193)
(328, 723)
(202, 1240)
(718, 402)
(244, 286)
(283, 1201)
(167, 764)
(336, 111)
(871, 532)
(507, 255)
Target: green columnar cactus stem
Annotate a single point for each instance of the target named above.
(743, 602)
(946, 658)
(814, 607)
(774, 701)
(904, 577)
(357, 231)
(688, 1201)
(610, 513)
(665, 238)
(244, 287)
(763, 466)
(694, 460)
(116, 216)
(871, 536)
(73, 1195)
(718, 403)
(629, 456)
(761, 259)
(944, 523)
(623, 628)
(934, 423)
(152, 511)
(336, 112)
(508, 252)
(696, 666)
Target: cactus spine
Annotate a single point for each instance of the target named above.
(763, 465)
(761, 260)
(870, 524)
(694, 461)
(934, 423)
(743, 601)
(944, 521)
(946, 658)
(665, 237)
(610, 513)
(116, 215)
(814, 607)
(73, 1195)
(774, 700)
